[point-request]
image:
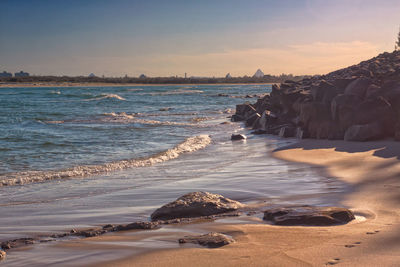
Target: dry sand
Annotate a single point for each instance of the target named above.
(373, 171)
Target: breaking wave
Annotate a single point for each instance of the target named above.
(106, 96)
(175, 92)
(191, 144)
(123, 117)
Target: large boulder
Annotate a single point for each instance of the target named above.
(287, 131)
(364, 132)
(324, 92)
(343, 108)
(375, 110)
(306, 215)
(358, 87)
(196, 204)
(245, 110)
(267, 118)
(252, 119)
(210, 240)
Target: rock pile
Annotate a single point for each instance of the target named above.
(358, 103)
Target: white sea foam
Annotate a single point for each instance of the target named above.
(176, 92)
(123, 117)
(191, 144)
(106, 96)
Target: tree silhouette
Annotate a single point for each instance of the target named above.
(397, 46)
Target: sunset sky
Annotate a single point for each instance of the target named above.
(202, 38)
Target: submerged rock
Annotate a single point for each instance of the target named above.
(211, 240)
(306, 215)
(238, 137)
(196, 204)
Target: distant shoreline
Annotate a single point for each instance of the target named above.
(72, 84)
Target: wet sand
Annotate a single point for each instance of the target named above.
(372, 169)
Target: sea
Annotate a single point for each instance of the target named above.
(76, 157)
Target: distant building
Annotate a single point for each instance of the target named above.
(5, 74)
(91, 75)
(21, 74)
(185, 75)
(142, 76)
(258, 74)
(228, 76)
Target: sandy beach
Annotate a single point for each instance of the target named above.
(371, 169)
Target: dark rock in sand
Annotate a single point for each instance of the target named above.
(138, 226)
(210, 240)
(235, 137)
(306, 215)
(367, 132)
(196, 204)
(15, 243)
(2, 255)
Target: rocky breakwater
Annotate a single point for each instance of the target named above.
(358, 103)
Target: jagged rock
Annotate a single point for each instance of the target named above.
(287, 131)
(365, 132)
(245, 110)
(235, 137)
(196, 204)
(306, 215)
(343, 108)
(210, 240)
(301, 133)
(2, 255)
(358, 87)
(373, 110)
(251, 120)
(324, 92)
(373, 91)
(236, 117)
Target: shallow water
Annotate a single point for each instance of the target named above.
(104, 128)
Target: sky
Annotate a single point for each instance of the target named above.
(197, 37)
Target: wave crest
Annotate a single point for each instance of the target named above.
(106, 96)
(191, 144)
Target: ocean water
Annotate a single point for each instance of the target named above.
(73, 157)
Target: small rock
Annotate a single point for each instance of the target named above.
(196, 204)
(306, 215)
(238, 137)
(210, 240)
(2, 254)
(138, 225)
(73, 231)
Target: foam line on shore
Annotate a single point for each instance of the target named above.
(191, 144)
